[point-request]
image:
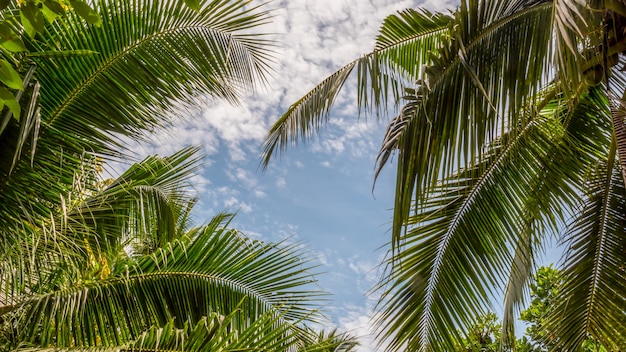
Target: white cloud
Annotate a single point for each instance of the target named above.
(242, 177)
(280, 182)
(234, 204)
(316, 38)
(358, 322)
(323, 259)
(367, 270)
(258, 193)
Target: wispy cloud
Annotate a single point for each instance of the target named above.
(316, 38)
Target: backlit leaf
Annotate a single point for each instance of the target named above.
(32, 18)
(10, 40)
(7, 98)
(193, 4)
(86, 12)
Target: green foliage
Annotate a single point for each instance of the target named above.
(91, 264)
(540, 336)
(28, 18)
(544, 292)
(483, 335)
(511, 129)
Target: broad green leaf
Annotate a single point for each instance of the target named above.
(193, 4)
(52, 10)
(9, 76)
(32, 19)
(54, 6)
(86, 12)
(10, 40)
(7, 98)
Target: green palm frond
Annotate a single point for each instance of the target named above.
(404, 44)
(481, 228)
(214, 332)
(151, 60)
(593, 295)
(470, 95)
(142, 210)
(221, 333)
(212, 269)
(326, 341)
(585, 120)
(145, 205)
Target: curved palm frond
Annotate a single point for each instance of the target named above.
(214, 332)
(585, 120)
(480, 229)
(445, 265)
(403, 46)
(327, 341)
(150, 59)
(146, 206)
(211, 270)
(470, 95)
(592, 297)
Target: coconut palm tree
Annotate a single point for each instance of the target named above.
(511, 130)
(115, 264)
(137, 283)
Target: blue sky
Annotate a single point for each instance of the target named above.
(319, 194)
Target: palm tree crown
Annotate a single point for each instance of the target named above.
(512, 129)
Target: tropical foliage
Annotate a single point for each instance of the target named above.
(484, 334)
(544, 293)
(28, 18)
(141, 284)
(511, 130)
(88, 263)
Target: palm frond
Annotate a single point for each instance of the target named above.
(211, 270)
(480, 229)
(145, 205)
(454, 116)
(592, 298)
(214, 332)
(152, 58)
(403, 46)
(585, 121)
(325, 341)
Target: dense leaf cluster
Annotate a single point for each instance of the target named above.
(116, 264)
(510, 135)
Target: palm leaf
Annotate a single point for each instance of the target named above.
(403, 45)
(592, 296)
(152, 57)
(324, 341)
(480, 229)
(146, 206)
(212, 333)
(212, 270)
(585, 121)
(454, 117)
